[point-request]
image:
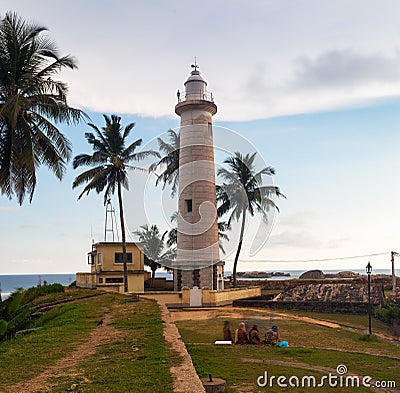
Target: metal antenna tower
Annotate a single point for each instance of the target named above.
(110, 221)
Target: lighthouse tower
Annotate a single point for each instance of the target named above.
(197, 248)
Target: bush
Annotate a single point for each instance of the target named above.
(32, 293)
(11, 304)
(16, 311)
(390, 312)
(3, 327)
(20, 319)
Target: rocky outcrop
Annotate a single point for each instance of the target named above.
(258, 274)
(347, 274)
(351, 292)
(313, 274)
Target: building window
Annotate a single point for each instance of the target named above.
(119, 257)
(114, 280)
(189, 205)
(100, 280)
(196, 278)
(91, 259)
(99, 258)
(210, 128)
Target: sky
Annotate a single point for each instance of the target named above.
(312, 87)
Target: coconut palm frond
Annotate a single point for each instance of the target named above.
(243, 192)
(31, 103)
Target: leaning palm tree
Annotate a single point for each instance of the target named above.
(110, 163)
(243, 192)
(156, 252)
(31, 103)
(169, 163)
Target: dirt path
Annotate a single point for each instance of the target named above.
(236, 312)
(184, 374)
(66, 366)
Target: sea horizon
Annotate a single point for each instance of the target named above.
(11, 282)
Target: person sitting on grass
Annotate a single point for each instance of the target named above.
(227, 331)
(272, 336)
(254, 335)
(241, 335)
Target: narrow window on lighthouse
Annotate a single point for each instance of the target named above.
(189, 206)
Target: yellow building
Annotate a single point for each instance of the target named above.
(107, 268)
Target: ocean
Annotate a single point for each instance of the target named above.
(9, 283)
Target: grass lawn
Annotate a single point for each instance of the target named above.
(135, 359)
(311, 344)
(349, 320)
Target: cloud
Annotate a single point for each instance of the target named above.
(303, 219)
(295, 239)
(64, 222)
(29, 225)
(267, 58)
(346, 68)
(7, 209)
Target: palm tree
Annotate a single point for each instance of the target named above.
(110, 163)
(243, 191)
(155, 248)
(31, 101)
(170, 162)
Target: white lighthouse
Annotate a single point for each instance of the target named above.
(198, 251)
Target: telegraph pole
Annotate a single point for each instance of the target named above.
(393, 254)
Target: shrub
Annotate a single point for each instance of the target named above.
(390, 312)
(32, 293)
(16, 311)
(3, 327)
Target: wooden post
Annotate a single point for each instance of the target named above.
(393, 274)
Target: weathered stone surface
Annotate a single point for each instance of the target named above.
(346, 274)
(315, 274)
(383, 280)
(217, 385)
(351, 292)
(260, 274)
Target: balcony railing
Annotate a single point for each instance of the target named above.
(194, 95)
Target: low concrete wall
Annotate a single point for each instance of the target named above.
(316, 306)
(159, 283)
(170, 298)
(228, 296)
(209, 298)
(85, 280)
(280, 285)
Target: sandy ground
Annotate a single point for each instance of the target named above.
(236, 312)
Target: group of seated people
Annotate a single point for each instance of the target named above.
(242, 337)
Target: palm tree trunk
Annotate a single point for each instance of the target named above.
(121, 217)
(153, 276)
(239, 249)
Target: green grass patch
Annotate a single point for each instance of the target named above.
(62, 329)
(135, 360)
(351, 320)
(69, 294)
(312, 344)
